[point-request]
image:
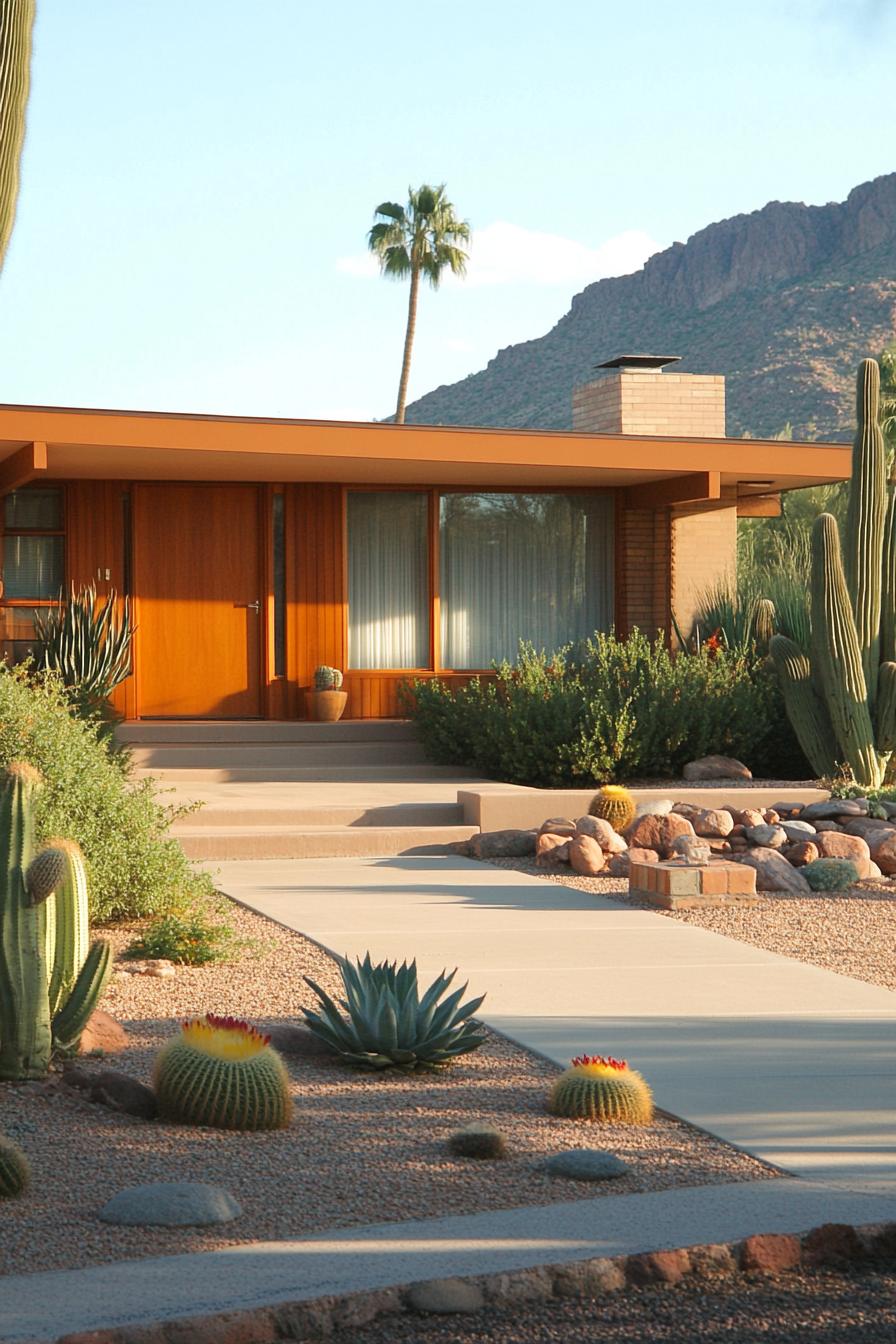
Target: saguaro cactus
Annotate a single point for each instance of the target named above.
(49, 982)
(843, 705)
(16, 24)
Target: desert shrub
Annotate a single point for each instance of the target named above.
(134, 868)
(609, 709)
(190, 939)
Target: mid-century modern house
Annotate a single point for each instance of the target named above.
(255, 549)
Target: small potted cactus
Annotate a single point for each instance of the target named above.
(327, 700)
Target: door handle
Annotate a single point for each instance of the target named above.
(249, 606)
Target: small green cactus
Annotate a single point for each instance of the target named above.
(15, 1170)
(598, 1087)
(614, 804)
(479, 1141)
(831, 874)
(327, 678)
(221, 1072)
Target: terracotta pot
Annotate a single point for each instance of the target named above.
(326, 706)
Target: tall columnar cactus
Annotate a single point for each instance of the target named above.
(843, 704)
(48, 986)
(16, 24)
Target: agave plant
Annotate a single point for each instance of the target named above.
(389, 1025)
(89, 644)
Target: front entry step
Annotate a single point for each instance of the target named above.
(318, 842)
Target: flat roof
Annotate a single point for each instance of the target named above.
(162, 445)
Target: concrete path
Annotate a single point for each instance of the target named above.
(793, 1063)
(42, 1306)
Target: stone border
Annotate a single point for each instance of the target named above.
(830, 1246)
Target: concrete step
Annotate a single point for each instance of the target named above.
(253, 755)
(182, 777)
(264, 818)
(318, 842)
(179, 732)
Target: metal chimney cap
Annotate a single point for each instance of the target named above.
(638, 362)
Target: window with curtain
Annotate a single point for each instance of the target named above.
(517, 567)
(33, 563)
(388, 579)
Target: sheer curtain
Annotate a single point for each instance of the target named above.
(388, 579)
(532, 567)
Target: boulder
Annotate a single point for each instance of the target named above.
(654, 807)
(503, 844)
(770, 1253)
(586, 1164)
(102, 1035)
(610, 841)
(171, 1204)
(821, 825)
(798, 830)
(750, 816)
(298, 1042)
(110, 1088)
(873, 870)
(770, 837)
(657, 1267)
(834, 845)
(805, 851)
(832, 808)
(652, 832)
(619, 865)
(551, 850)
(716, 767)
(585, 855)
(883, 853)
(445, 1297)
(588, 1278)
(557, 826)
(833, 1245)
(715, 823)
(774, 873)
(770, 816)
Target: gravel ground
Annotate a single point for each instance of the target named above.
(361, 1149)
(793, 1309)
(853, 934)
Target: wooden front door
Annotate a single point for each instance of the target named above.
(197, 579)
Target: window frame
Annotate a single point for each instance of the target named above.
(13, 604)
(436, 494)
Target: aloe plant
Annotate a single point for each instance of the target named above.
(88, 642)
(388, 1024)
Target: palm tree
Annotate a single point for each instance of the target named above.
(417, 239)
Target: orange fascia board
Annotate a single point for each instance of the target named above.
(22, 466)
(699, 486)
(644, 457)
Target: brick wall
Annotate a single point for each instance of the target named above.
(626, 401)
(644, 570)
(703, 553)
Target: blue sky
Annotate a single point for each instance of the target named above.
(199, 176)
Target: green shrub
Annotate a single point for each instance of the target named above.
(610, 709)
(190, 940)
(133, 867)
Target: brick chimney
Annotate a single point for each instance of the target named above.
(634, 395)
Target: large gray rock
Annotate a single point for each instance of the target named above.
(717, 767)
(503, 844)
(772, 837)
(586, 1164)
(444, 1297)
(797, 830)
(171, 1204)
(832, 808)
(773, 872)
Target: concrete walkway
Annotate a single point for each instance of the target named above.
(41, 1306)
(793, 1063)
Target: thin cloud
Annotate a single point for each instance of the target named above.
(506, 254)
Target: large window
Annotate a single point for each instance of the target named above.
(517, 567)
(388, 579)
(33, 563)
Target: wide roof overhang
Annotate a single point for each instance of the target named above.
(70, 444)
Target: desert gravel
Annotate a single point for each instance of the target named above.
(361, 1149)
(852, 933)
(809, 1308)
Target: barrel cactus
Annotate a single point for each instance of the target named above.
(49, 982)
(830, 874)
(598, 1087)
(389, 1024)
(614, 804)
(842, 700)
(15, 1171)
(327, 678)
(221, 1072)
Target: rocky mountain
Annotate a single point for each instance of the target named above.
(784, 301)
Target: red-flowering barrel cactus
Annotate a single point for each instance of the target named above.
(598, 1087)
(221, 1072)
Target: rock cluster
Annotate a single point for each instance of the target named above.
(776, 841)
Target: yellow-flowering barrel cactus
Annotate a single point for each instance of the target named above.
(221, 1072)
(614, 804)
(15, 1173)
(598, 1087)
